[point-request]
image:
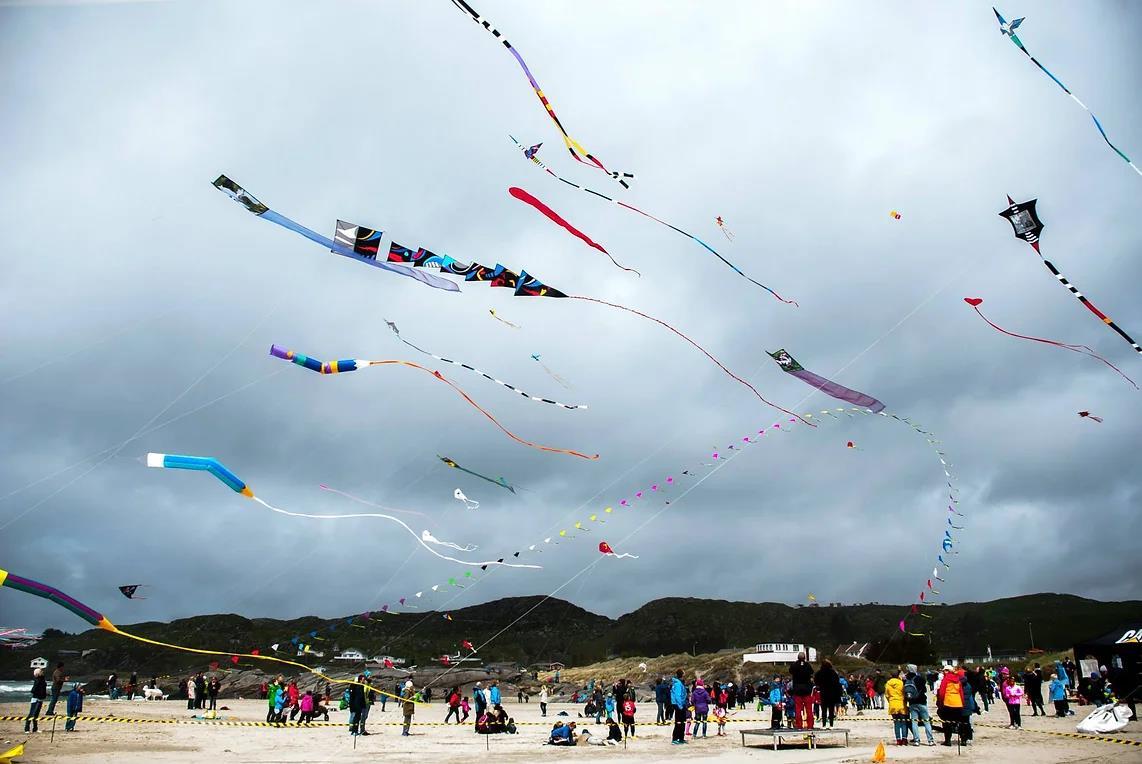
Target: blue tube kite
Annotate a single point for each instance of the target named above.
(203, 463)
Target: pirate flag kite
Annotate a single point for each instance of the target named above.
(1026, 225)
(129, 591)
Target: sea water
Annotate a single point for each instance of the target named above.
(14, 689)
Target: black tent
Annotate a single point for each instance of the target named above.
(1120, 650)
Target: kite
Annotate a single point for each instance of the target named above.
(605, 548)
(214, 467)
(468, 503)
(550, 373)
(483, 374)
(16, 751)
(129, 591)
(1088, 415)
(894, 215)
(528, 286)
(975, 302)
(360, 254)
(722, 225)
(426, 536)
(501, 320)
(1008, 30)
(496, 481)
(336, 367)
(1026, 225)
(790, 366)
(97, 619)
(578, 153)
(632, 208)
(448, 616)
(851, 445)
(811, 597)
(555, 217)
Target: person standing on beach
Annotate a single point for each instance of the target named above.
(700, 700)
(200, 690)
(543, 701)
(408, 706)
(356, 703)
(58, 678)
(897, 709)
(481, 700)
(1033, 687)
(801, 674)
(453, 705)
(662, 697)
(1058, 690)
(917, 700)
(132, 683)
(271, 696)
(191, 689)
(74, 706)
(39, 693)
(829, 685)
(679, 701)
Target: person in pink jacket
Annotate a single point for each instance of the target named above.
(1013, 697)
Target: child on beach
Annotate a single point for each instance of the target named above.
(775, 702)
(465, 707)
(306, 706)
(628, 714)
(720, 718)
(74, 706)
(790, 709)
(1012, 694)
(609, 706)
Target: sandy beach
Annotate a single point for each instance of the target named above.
(171, 737)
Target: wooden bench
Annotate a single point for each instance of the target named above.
(787, 734)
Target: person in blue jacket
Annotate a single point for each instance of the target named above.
(74, 706)
(494, 694)
(1058, 689)
(679, 701)
(775, 701)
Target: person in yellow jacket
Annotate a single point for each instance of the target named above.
(897, 709)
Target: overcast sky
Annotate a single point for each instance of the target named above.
(133, 293)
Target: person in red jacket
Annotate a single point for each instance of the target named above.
(453, 705)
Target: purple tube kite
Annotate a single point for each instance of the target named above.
(789, 364)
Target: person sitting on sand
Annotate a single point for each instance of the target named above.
(562, 734)
(613, 731)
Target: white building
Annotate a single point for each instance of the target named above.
(776, 652)
(350, 655)
(39, 663)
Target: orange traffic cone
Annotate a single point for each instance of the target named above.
(880, 755)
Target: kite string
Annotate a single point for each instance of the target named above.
(699, 347)
(721, 464)
(115, 451)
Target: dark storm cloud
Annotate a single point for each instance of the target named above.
(132, 278)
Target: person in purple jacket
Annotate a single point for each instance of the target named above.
(700, 699)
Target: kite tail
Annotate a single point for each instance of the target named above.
(502, 320)
(1080, 349)
(1085, 108)
(487, 376)
(709, 248)
(1090, 306)
(483, 411)
(419, 539)
(116, 630)
(699, 347)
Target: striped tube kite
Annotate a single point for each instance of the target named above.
(1026, 225)
(247, 200)
(790, 366)
(1008, 30)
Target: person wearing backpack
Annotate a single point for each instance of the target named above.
(917, 700)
